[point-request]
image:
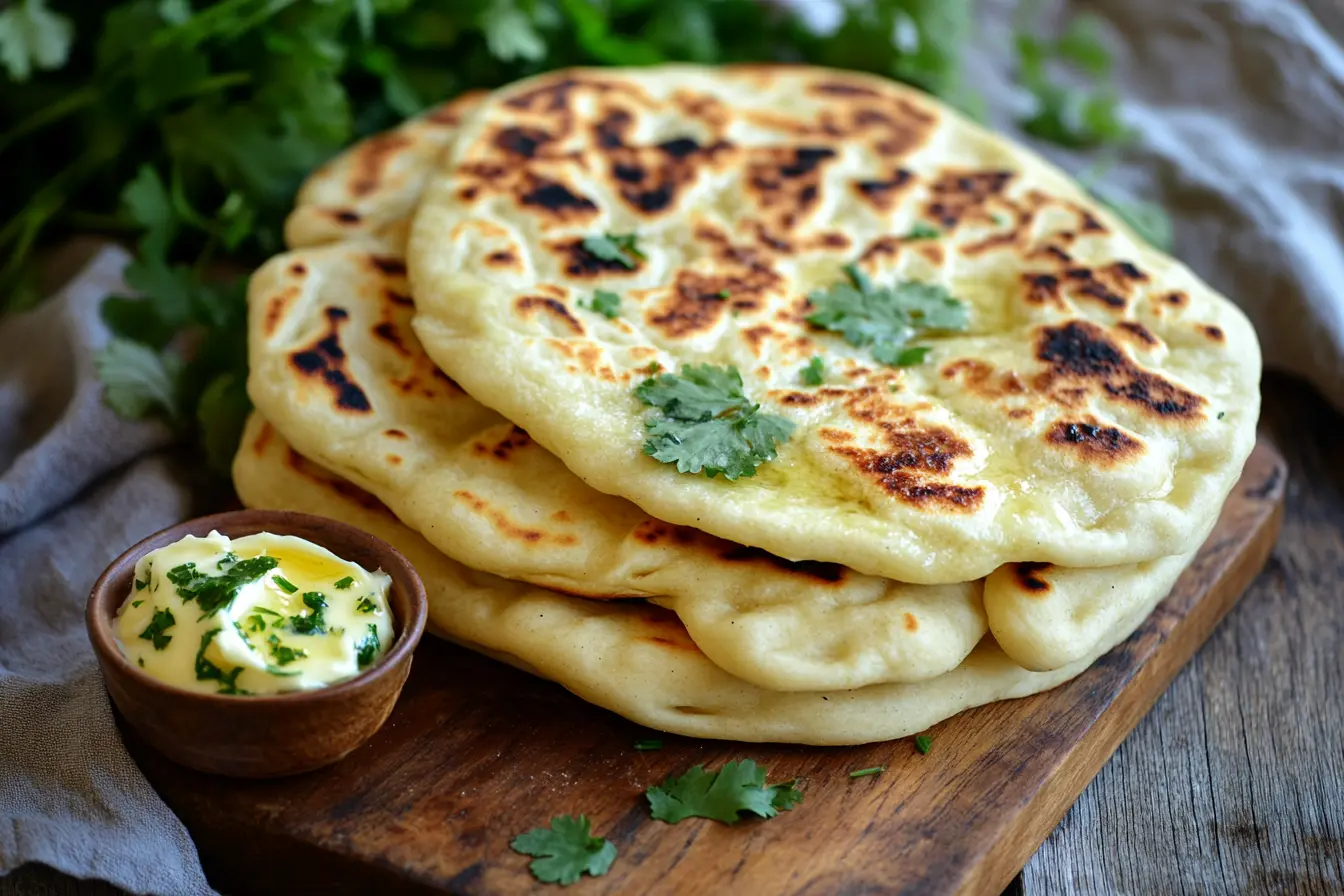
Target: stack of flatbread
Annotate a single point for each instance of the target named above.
(975, 521)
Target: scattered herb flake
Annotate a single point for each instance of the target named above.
(605, 303)
(725, 795)
(724, 294)
(708, 424)
(314, 623)
(366, 605)
(368, 647)
(565, 851)
(814, 374)
(269, 612)
(284, 583)
(213, 593)
(136, 603)
(618, 247)
(284, 655)
(208, 671)
(923, 742)
(345, 582)
(162, 621)
(646, 745)
(883, 319)
(923, 231)
(1222, 414)
(255, 623)
(141, 586)
(867, 772)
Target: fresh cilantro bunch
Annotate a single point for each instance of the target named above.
(883, 319)
(565, 851)
(708, 424)
(735, 790)
(1071, 116)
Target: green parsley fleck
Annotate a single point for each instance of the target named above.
(884, 319)
(653, 367)
(141, 586)
(618, 247)
(1222, 414)
(162, 621)
(605, 303)
(867, 772)
(646, 745)
(922, 231)
(923, 742)
(284, 655)
(724, 294)
(366, 605)
(345, 582)
(814, 374)
(314, 623)
(708, 424)
(725, 795)
(255, 623)
(136, 603)
(369, 646)
(213, 593)
(565, 851)
(208, 671)
(269, 612)
(285, 583)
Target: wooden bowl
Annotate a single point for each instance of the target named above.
(261, 736)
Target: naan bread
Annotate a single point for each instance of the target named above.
(1096, 413)
(335, 363)
(629, 657)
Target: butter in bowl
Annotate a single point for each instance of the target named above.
(257, 643)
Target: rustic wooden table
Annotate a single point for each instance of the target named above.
(1234, 783)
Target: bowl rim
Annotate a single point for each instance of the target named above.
(99, 622)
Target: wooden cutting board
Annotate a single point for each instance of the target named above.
(477, 752)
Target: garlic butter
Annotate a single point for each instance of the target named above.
(262, 614)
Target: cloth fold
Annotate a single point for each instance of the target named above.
(1239, 111)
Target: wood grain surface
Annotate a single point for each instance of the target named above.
(476, 753)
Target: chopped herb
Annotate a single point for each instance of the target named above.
(646, 745)
(893, 388)
(269, 612)
(885, 318)
(737, 788)
(605, 303)
(237, 626)
(285, 583)
(136, 603)
(212, 593)
(708, 424)
(141, 586)
(162, 621)
(369, 646)
(923, 742)
(345, 582)
(814, 374)
(1222, 414)
(618, 247)
(314, 623)
(274, 670)
(366, 605)
(866, 772)
(724, 294)
(208, 671)
(565, 851)
(255, 623)
(284, 655)
(922, 231)
(653, 367)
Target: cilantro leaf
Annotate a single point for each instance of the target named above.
(509, 33)
(814, 374)
(606, 303)
(565, 851)
(368, 647)
(618, 247)
(1070, 116)
(314, 623)
(708, 424)
(162, 621)
(208, 671)
(138, 381)
(923, 743)
(221, 414)
(886, 318)
(32, 36)
(922, 231)
(214, 592)
(345, 582)
(725, 795)
(284, 655)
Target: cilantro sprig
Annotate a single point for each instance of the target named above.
(735, 790)
(214, 592)
(883, 319)
(707, 424)
(565, 851)
(622, 248)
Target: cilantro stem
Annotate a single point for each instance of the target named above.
(70, 103)
(868, 772)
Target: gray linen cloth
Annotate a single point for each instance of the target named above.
(1240, 107)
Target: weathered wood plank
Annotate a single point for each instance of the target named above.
(1234, 783)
